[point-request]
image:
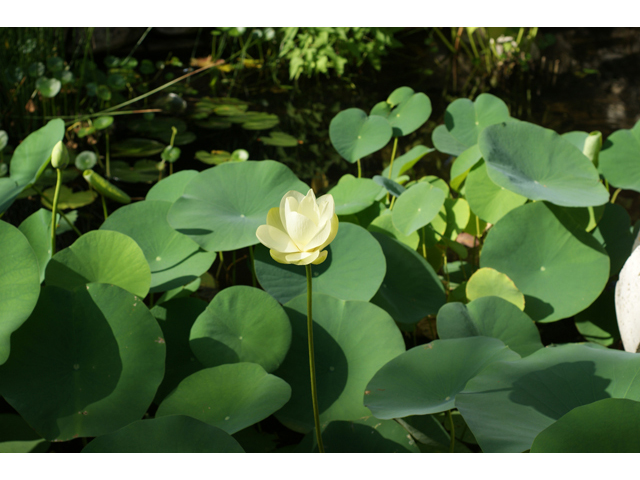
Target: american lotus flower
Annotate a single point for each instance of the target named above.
(300, 229)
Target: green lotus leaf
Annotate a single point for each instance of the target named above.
(384, 224)
(19, 283)
(539, 164)
(427, 378)
(558, 267)
(86, 160)
(67, 199)
(355, 135)
(279, 139)
(465, 120)
(141, 171)
(618, 159)
(417, 207)
(48, 87)
(411, 289)
(489, 282)
(510, 402)
(230, 397)
(406, 161)
(490, 317)
(354, 269)
(446, 143)
(609, 425)
(222, 207)
(346, 354)
(410, 114)
(103, 122)
(352, 195)
(171, 188)
(614, 234)
(598, 323)
(101, 256)
(37, 230)
(235, 325)
(16, 436)
(136, 147)
(87, 362)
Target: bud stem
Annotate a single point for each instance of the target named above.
(54, 206)
(312, 362)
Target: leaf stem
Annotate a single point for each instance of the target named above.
(54, 206)
(312, 362)
(615, 195)
(253, 266)
(452, 432)
(104, 207)
(393, 156)
(359, 169)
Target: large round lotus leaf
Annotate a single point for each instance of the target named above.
(384, 224)
(32, 155)
(487, 281)
(235, 325)
(353, 270)
(490, 317)
(618, 160)
(222, 207)
(101, 256)
(37, 229)
(353, 195)
(171, 188)
(352, 340)
(172, 434)
(539, 164)
(176, 317)
(411, 290)
(489, 201)
(365, 435)
(174, 259)
(230, 397)
(416, 207)
(354, 135)
(558, 267)
(410, 114)
(609, 425)
(614, 234)
(136, 147)
(86, 363)
(509, 403)
(405, 162)
(598, 323)
(427, 378)
(446, 143)
(19, 283)
(465, 119)
(16, 436)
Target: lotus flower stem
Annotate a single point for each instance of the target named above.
(312, 362)
(54, 207)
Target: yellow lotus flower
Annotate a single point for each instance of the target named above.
(298, 231)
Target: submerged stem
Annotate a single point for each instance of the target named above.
(312, 362)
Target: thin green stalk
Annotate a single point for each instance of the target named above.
(104, 207)
(393, 156)
(473, 44)
(312, 361)
(423, 234)
(54, 206)
(220, 265)
(106, 158)
(253, 266)
(452, 432)
(75, 229)
(444, 40)
(359, 169)
(615, 195)
(144, 35)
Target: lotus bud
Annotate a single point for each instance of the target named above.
(59, 156)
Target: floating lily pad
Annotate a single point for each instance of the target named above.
(214, 123)
(85, 160)
(539, 164)
(215, 157)
(222, 207)
(67, 198)
(174, 259)
(618, 160)
(140, 172)
(489, 201)
(230, 397)
(234, 326)
(355, 135)
(173, 434)
(489, 282)
(279, 139)
(411, 290)
(170, 188)
(176, 317)
(16, 436)
(352, 195)
(510, 402)
(465, 120)
(19, 283)
(261, 121)
(417, 207)
(37, 230)
(609, 425)
(347, 356)
(490, 317)
(353, 270)
(101, 256)
(558, 267)
(136, 147)
(427, 378)
(87, 362)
